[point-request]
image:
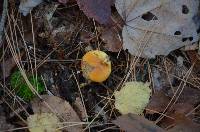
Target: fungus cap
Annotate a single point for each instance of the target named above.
(96, 66)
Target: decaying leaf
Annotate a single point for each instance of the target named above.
(100, 10)
(132, 122)
(27, 5)
(59, 106)
(43, 122)
(157, 103)
(157, 27)
(132, 98)
(188, 95)
(183, 108)
(112, 40)
(183, 124)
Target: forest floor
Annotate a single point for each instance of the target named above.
(48, 44)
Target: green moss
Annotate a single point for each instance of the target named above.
(21, 88)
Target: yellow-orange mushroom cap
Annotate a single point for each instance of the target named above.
(96, 66)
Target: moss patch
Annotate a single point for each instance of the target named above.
(21, 88)
(132, 98)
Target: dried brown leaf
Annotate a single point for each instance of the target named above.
(132, 122)
(183, 124)
(100, 10)
(59, 106)
(112, 40)
(158, 103)
(176, 114)
(188, 95)
(183, 108)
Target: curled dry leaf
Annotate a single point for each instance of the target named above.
(112, 40)
(157, 27)
(100, 10)
(132, 122)
(58, 106)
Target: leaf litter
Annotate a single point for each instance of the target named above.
(100, 10)
(58, 106)
(111, 39)
(52, 40)
(158, 27)
(130, 122)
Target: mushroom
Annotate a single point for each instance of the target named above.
(96, 66)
